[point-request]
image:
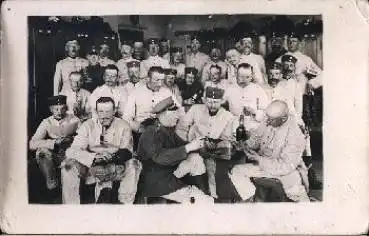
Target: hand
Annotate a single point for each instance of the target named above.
(210, 145)
(249, 111)
(252, 155)
(195, 145)
(59, 141)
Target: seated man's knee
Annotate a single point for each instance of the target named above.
(72, 167)
(197, 165)
(133, 163)
(43, 153)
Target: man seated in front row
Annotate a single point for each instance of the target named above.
(101, 152)
(276, 149)
(52, 137)
(162, 151)
(212, 121)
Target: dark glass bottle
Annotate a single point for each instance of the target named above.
(241, 131)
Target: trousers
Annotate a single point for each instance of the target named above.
(48, 161)
(77, 173)
(292, 183)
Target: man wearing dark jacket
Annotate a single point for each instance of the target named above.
(161, 150)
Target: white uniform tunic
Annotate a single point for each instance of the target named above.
(116, 93)
(303, 64)
(197, 60)
(258, 64)
(287, 91)
(152, 61)
(63, 69)
(141, 102)
(123, 69)
(252, 96)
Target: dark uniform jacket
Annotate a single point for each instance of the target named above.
(188, 91)
(94, 77)
(161, 150)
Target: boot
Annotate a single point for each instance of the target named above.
(105, 196)
(201, 182)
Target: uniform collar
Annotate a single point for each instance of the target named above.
(72, 59)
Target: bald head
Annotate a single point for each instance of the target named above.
(277, 109)
(277, 113)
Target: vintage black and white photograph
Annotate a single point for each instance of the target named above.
(168, 109)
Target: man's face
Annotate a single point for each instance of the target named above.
(134, 74)
(93, 59)
(104, 50)
(168, 118)
(233, 58)
(288, 67)
(75, 82)
(215, 54)
(214, 74)
(244, 76)
(126, 51)
(246, 45)
(153, 49)
(156, 80)
(137, 50)
(195, 45)
(164, 47)
(111, 77)
(275, 76)
(72, 50)
(190, 79)
(277, 43)
(213, 104)
(169, 80)
(177, 57)
(58, 111)
(293, 44)
(105, 113)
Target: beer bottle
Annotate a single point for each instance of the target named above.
(241, 131)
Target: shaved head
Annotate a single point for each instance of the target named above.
(277, 113)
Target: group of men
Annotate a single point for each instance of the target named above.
(159, 125)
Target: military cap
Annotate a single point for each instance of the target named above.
(133, 64)
(156, 69)
(92, 51)
(163, 105)
(126, 42)
(152, 41)
(216, 67)
(294, 34)
(57, 100)
(176, 50)
(213, 44)
(191, 70)
(276, 34)
(276, 66)
(214, 92)
(196, 37)
(289, 58)
(163, 40)
(246, 34)
(170, 71)
(104, 44)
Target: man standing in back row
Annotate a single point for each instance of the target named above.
(196, 58)
(154, 59)
(69, 64)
